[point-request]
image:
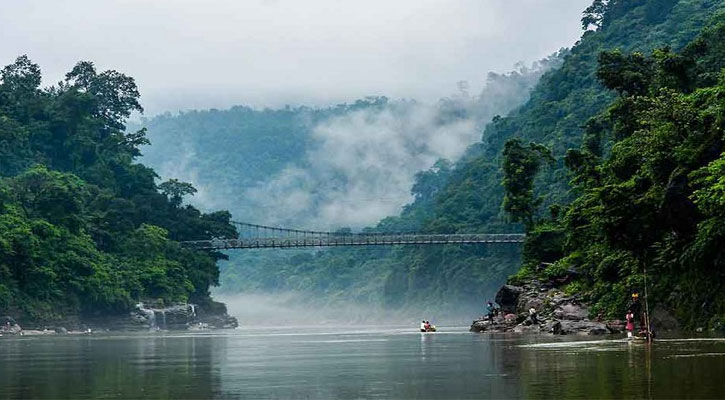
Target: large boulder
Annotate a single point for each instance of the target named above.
(508, 298)
(480, 325)
(616, 326)
(176, 317)
(530, 328)
(497, 324)
(215, 315)
(571, 311)
(553, 327)
(569, 327)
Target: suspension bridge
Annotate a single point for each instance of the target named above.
(252, 236)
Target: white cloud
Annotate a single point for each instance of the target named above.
(215, 53)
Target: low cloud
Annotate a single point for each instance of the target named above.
(363, 163)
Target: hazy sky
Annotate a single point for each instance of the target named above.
(215, 53)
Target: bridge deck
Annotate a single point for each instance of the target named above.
(352, 240)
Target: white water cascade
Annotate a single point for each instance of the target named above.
(150, 315)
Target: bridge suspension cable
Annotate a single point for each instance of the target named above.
(252, 236)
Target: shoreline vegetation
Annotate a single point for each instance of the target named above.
(86, 232)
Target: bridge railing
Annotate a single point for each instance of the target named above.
(352, 240)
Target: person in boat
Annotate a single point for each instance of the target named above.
(490, 309)
(630, 323)
(422, 326)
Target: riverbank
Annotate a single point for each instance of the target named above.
(145, 316)
(559, 311)
(556, 312)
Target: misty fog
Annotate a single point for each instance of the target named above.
(295, 310)
(358, 167)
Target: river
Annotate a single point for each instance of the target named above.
(356, 363)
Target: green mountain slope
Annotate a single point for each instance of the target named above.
(84, 229)
(652, 206)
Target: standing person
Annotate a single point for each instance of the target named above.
(636, 308)
(630, 323)
(532, 315)
(490, 310)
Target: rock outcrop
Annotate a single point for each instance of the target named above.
(144, 317)
(9, 326)
(179, 317)
(556, 312)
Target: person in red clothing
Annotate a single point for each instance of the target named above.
(630, 323)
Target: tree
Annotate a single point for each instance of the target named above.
(594, 14)
(115, 95)
(520, 165)
(175, 190)
(629, 75)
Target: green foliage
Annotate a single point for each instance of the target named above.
(175, 190)
(520, 165)
(83, 228)
(594, 14)
(629, 75)
(656, 201)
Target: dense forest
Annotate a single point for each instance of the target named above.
(550, 191)
(648, 185)
(84, 229)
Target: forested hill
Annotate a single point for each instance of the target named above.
(562, 103)
(648, 186)
(226, 152)
(84, 229)
(469, 196)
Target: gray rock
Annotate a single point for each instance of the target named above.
(176, 317)
(224, 321)
(553, 327)
(498, 324)
(8, 326)
(583, 328)
(532, 328)
(479, 325)
(508, 298)
(616, 326)
(572, 312)
(61, 330)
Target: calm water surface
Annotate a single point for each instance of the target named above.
(347, 363)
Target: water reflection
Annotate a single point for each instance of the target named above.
(122, 367)
(402, 363)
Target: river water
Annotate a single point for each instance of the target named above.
(352, 363)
